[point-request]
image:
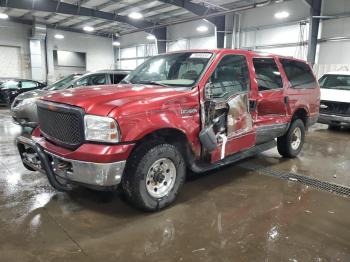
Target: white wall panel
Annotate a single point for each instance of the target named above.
(292, 51)
(128, 52)
(262, 16)
(182, 44)
(331, 7)
(10, 65)
(128, 64)
(280, 35)
(203, 43)
(334, 53)
(17, 36)
(99, 50)
(36, 58)
(188, 30)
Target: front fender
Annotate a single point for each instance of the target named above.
(134, 127)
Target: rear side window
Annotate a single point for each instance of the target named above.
(230, 77)
(267, 74)
(299, 74)
(116, 78)
(28, 84)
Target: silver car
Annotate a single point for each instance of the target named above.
(23, 108)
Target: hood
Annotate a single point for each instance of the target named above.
(32, 94)
(100, 100)
(335, 95)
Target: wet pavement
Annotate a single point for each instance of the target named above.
(228, 215)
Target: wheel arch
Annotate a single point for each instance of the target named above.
(172, 136)
(301, 113)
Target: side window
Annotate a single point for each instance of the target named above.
(299, 74)
(99, 79)
(82, 82)
(267, 74)
(115, 79)
(28, 84)
(230, 77)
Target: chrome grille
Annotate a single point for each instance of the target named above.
(61, 124)
(335, 108)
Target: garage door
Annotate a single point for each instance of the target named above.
(10, 65)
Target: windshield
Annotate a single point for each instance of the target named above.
(335, 82)
(179, 69)
(10, 84)
(60, 84)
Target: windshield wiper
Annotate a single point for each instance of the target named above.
(151, 83)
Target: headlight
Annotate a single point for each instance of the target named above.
(27, 101)
(101, 129)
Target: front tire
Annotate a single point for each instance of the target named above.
(154, 176)
(292, 142)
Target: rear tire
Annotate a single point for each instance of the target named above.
(292, 142)
(154, 175)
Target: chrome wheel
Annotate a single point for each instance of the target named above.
(161, 177)
(296, 138)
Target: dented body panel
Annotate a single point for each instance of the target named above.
(243, 120)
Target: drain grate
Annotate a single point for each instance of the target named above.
(312, 182)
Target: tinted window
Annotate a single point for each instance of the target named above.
(231, 76)
(299, 74)
(97, 79)
(267, 74)
(28, 84)
(335, 82)
(116, 78)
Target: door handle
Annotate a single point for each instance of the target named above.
(286, 100)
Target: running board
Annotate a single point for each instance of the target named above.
(200, 167)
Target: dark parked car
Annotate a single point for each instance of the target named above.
(23, 109)
(10, 89)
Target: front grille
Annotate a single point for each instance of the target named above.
(61, 124)
(335, 108)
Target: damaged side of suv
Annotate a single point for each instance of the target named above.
(194, 109)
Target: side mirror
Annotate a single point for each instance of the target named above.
(208, 90)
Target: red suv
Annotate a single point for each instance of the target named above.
(195, 110)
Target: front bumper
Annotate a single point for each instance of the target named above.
(334, 120)
(86, 173)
